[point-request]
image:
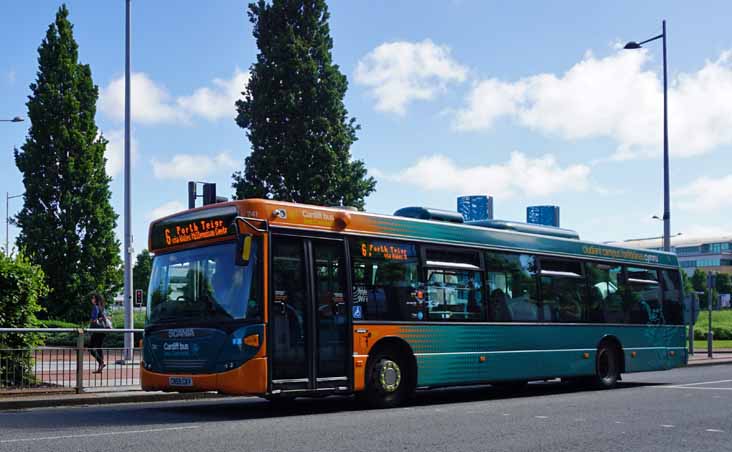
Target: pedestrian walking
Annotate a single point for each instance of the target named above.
(98, 320)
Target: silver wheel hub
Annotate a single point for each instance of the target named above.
(390, 376)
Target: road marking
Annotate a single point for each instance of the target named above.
(694, 387)
(667, 426)
(704, 383)
(715, 430)
(618, 422)
(542, 417)
(92, 435)
(506, 414)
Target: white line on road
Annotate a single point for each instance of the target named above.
(667, 426)
(92, 435)
(694, 387)
(715, 430)
(542, 417)
(704, 383)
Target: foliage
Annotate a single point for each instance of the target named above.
(21, 286)
(293, 112)
(142, 270)
(721, 325)
(686, 281)
(724, 283)
(699, 280)
(67, 222)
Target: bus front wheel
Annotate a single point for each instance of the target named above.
(607, 366)
(388, 383)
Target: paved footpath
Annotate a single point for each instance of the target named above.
(678, 410)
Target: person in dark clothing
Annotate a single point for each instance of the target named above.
(98, 320)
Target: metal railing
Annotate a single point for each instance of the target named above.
(67, 367)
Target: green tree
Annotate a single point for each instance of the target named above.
(21, 286)
(699, 280)
(293, 112)
(141, 271)
(686, 281)
(67, 222)
(724, 283)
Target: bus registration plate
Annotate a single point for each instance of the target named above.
(180, 381)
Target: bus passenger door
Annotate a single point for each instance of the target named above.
(308, 320)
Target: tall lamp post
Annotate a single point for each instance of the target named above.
(8, 197)
(128, 234)
(666, 201)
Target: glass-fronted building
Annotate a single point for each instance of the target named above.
(707, 253)
(546, 215)
(476, 207)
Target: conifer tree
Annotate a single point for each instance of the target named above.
(293, 112)
(67, 222)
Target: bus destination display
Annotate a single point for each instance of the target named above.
(387, 250)
(189, 228)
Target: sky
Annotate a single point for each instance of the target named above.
(532, 103)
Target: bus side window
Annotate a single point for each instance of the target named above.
(672, 307)
(511, 285)
(605, 303)
(642, 296)
(563, 291)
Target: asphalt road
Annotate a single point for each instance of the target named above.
(683, 409)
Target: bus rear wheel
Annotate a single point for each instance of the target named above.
(388, 383)
(607, 366)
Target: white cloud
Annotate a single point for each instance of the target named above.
(613, 97)
(520, 176)
(153, 104)
(217, 102)
(115, 153)
(150, 103)
(193, 166)
(166, 209)
(705, 194)
(11, 76)
(398, 73)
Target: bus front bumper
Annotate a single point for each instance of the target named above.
(248, 379)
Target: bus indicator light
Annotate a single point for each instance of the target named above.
(586, 355)
(252, 340)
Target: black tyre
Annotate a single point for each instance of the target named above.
(278, 401)
(607, 366)
(388, 380)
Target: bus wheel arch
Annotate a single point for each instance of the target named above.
(392, 356)
(609, 362)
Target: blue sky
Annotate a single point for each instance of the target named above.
(531, 102)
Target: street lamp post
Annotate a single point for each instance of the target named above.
(15, 119)
(8, 197)
(666, 198)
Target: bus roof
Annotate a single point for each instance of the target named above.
(213, 223)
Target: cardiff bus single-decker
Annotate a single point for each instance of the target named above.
(281, 300)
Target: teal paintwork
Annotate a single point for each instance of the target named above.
(515, 241)
(451, 354)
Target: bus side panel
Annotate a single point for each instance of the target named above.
(462, 353)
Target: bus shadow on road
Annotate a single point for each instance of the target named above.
(249, 408)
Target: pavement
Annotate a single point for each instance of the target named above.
(677, 410)
(132, 394)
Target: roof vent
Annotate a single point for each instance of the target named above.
(526, 227)
(424, 213)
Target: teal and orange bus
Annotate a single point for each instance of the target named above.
(283, 300)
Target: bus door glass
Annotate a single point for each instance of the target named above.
(309, 319)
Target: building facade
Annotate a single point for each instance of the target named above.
(546, 215)
(475, 208)
(707, 253)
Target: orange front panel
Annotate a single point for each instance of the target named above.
(249, 379)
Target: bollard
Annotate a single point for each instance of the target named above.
(80, 361)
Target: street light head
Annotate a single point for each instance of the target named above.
(17, 119)
(632, 45)
(656, 217)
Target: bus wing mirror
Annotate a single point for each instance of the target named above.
(243, 249)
